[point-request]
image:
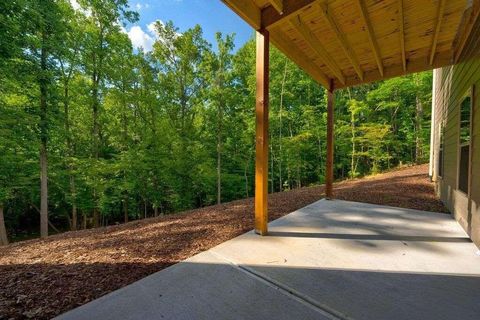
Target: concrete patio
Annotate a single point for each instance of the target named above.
(329, 260)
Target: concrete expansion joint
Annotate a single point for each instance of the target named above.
(286, 290)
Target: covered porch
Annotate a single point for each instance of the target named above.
(332, 259)
(329, 260)
(342, 43)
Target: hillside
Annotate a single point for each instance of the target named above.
(43, 278)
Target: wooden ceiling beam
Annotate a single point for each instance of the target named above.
(371, 35)
(280, 40)
(401, 28)
(341, 39)
(247, 10)
(271, 18)
(436, 32)
(417, 65)
(278, 5)
(472, 17)
(315, 44)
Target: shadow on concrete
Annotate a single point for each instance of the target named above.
(367, 223)
(371, 294)
(193, 290)
(366, 236)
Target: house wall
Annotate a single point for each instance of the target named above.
(450, 85)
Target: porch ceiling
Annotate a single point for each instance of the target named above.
(349, 42)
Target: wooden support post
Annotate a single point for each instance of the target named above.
(261, 160)
(329, 169)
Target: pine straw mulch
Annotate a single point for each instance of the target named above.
(43, 278)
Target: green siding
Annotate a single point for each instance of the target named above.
(451, 84)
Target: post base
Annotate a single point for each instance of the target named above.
(261, 232)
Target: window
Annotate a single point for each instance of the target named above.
(464, 142)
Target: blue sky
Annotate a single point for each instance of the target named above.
(211, 15)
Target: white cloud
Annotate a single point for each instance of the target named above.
(151, 27)
(122, 28)
(144, 38)
(139, 6)
(153, 30)
(140, 38)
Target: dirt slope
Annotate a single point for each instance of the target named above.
(43, 278)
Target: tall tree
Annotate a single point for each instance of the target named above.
(181, 63)
(45, 34)
(68, 57)
(220, 94)
(104, 16)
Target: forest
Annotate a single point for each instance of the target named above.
(95, 132)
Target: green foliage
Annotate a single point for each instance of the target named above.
(133, 134)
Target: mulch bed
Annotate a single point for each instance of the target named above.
(43, 278)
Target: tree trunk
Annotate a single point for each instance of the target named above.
(70, 152)
(145, 209)
(272, 184)
(320, 165)
(43, 143)
(388, 157)
(418, 130)
(97, 74)
(3, 230)
(246, 179)
(43, 192)
(125, 148)
(352, 161)
(74, 203)
(155, 211)
(96, 139)
(219, 153)
(299, 180)
(125, 209)
(280, 185)
(96, 216)
(74, 224)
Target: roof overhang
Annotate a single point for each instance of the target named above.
(350, 42)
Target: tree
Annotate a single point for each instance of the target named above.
(68, 57)
(220, 91)
(180, 60)
(121, 97)
(355, 108)
(423, 95)
(44, 31)
(127, 134)
(102, 24)
(9, 48)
